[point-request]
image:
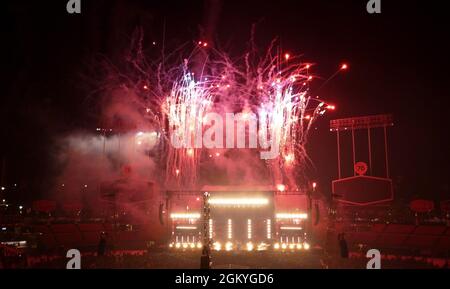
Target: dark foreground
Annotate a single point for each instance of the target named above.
(226, 260)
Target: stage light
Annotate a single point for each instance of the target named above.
(185, 216)
(281, 187)
(291, 246)
(269, 229)
(199, 245)
(344, 66)
(299, 246)
(230, 229)
(249, 229)
(228, 246)
(306, 246)
(185, 245)
(291, 228)
(283, 246)
(192, 245)
(171, 245)
(217, 246)
(287, 56)
(276, 246)
(186, 228)
(250, 246)
(262, 246)
(210, 223)
(291, 216)
(239, 201)
(178, 245)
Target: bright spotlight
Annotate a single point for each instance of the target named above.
(217, 246)
(291, 216)
(228, 246)
(186, 228)
(239, 201)
(185, 216)
(281, 187)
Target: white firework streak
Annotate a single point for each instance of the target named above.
(185, 108)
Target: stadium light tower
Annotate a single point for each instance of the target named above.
(358, 123)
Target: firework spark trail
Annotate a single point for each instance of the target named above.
(185, 109)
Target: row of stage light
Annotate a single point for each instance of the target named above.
(229, 246)
(279, 216)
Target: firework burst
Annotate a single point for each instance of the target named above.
(175, 101)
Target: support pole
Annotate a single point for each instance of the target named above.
(370, 150)
(338, 154)
(386, 152)
(353, 148)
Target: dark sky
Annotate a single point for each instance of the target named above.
(398, 63)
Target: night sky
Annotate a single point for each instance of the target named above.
(398, 64)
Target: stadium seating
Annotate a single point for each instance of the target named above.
(430, 230)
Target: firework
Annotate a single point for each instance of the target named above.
(175, 101)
